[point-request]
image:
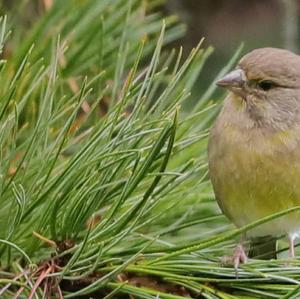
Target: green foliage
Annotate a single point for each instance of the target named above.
(103, 179)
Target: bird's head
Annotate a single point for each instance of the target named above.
(267, 82)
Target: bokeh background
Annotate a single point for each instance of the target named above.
(225, 24)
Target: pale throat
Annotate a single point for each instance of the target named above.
(263, 115)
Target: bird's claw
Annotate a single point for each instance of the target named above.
(239, 257)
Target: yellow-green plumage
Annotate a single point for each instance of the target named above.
(254, 146)
(255, 171)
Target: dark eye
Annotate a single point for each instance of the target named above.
(266, 85)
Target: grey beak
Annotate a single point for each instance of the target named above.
(235, 78)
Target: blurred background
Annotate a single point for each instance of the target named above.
(225, 24)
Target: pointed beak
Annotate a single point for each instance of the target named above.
(234, 79)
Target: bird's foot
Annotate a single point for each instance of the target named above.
(292, 256)
(292, 238)
(239, 257)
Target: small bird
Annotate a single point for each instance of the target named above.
(254, 145)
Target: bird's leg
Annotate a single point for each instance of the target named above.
(239, 256)
(292, 238)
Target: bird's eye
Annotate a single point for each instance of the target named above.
(266, 85)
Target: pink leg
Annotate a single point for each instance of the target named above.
(239, 256)
(291, 246)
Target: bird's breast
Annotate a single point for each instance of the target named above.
(255, 173)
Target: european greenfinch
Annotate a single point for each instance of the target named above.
(254, 145)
